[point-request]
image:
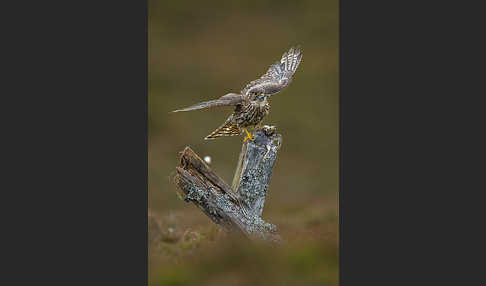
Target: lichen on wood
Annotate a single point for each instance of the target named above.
(254, 169)
(241, 210)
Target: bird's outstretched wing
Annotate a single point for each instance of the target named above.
(225, 100)
(278, 76)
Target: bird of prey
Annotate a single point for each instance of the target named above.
(251, 104)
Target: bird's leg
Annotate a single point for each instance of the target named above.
(248, 136)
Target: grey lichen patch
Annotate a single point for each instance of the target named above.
(256, 170)
(193, 194)
(226, 205)
(253, 187)
(258, 225)
(260, 229)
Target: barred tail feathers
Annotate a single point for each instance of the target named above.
(227, 129)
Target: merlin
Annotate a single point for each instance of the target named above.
(251, 104)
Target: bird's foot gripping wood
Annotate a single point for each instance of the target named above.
(248, 136)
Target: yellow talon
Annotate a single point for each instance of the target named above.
(248, 136)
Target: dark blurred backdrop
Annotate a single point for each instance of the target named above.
(201, 50)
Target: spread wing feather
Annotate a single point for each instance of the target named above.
(225, 100)
(287, 65)
(278, 75)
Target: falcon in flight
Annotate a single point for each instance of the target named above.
(251, 104)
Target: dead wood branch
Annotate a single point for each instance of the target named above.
(241, 210)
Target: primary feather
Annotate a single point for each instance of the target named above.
(225, 100)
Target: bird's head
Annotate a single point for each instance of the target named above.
(257, 96)
(260, 98)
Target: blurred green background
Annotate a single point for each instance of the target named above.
(201, 50)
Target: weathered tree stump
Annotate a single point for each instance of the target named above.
(241, 210)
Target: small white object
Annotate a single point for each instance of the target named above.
(207, 159)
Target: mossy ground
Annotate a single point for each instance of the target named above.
(187, 249)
